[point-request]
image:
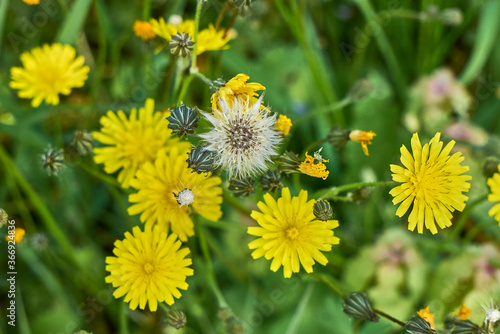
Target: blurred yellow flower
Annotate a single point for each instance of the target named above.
(426, 314)
(209, 39)
(283, 125)
(47, 72)
(362, 137)
(168, 190)
(17, 235)
(144, 30)
(148, 267)
(235, 88)
(290, 234)
(432, 181)
(312, 167)
(494, 197)
(463, 313)
(32, 2)
(133, 141)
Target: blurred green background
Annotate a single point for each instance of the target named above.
(308, 54)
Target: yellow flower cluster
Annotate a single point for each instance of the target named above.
(150, 266)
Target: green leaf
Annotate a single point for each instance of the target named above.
(73, 24)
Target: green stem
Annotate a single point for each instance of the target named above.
(336, 190)
(322, 279)
(486, 39)
(123, 323)
(194, 67)
(388, 317)
(184, 89)
(385, 49)
(146, 10)
(38, 204)
(324, 110)
(299, 312)
(97, 174)
(212, 282)
(462, 219)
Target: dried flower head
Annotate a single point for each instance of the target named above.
(243, 137)
(53, 160)
(181, 45)
(314, 167)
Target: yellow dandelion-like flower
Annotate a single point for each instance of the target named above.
(148, 267)
(132, 141)
(208, 39)
(290, 234)
(314, 167)
(463, 313)
(494, 197)
(283, 125)
(17, 235)
(32, 2)
(48, 71)
(144, 30)
(426, 314)
(235, 88)
(432, 181)
(168, 189)
(362, 137)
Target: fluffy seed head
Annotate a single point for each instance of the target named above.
(243, 137)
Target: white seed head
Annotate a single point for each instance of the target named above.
(185, 197)
(243, 137)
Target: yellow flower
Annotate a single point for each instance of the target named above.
(432, 181)
(464, 313)
(32, 2)
(362, 137)
(132, 141)
(148, 267)
(235, 88)
(290, 234)
(48, 71)
(168, 190)
(494, 197)
(312, 167)
(144, 30)
(426, 314)
(16, 236)
(283, 125)
(208, 39)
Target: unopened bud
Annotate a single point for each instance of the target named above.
(241, 187)
(357, 306)
(417, 325)
(491, 166)
(338, 137)
(323, 210)
(288, 162)
(176, 319)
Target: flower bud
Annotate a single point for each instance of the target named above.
(241, 187)
(53, 160)
(183, 120)
(181, 45)
(357, 306)
(176, 318)
(288, 162)
(491, 166)
(271, 181)
(4, 217)
(83, 142)
(338, 137)
(323, 210)
(417, 325)
(200, 160)
(360, 89)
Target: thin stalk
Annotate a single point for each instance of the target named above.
(212, 282)
(221, 15)
(385, 49)
(321, 278)
(146, 10)
(45, 215)
(231, 22)
(388, 317)
(324, 110)
(299, 312)
(123, 323)
(194, 67)
(336, 190)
